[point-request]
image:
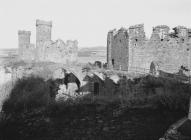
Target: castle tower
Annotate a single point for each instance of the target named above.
(160, 33)
(23, 41)
(137, 35)
(43, 32)
(109, 49)
(181, 32)
(117, 49)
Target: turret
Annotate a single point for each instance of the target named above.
(181, 32)
(137, 34)
(43, 32)
(23, 40)
(109, 48)
(160, 32)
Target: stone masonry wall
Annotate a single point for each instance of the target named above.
(169, 52)
(46, 49)
(118, 44)
(26, 49)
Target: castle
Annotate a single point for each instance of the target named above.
(46, 49)
(129, 49)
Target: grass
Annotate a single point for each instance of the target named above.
(28, 93)
(30, 112)
(5, 90)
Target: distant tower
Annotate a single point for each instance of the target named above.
(43, 32)
(23, 41)
(109, 49)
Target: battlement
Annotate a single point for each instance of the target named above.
(23, 32)
(42, 22)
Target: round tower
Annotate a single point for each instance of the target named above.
(23, 40)
(43, 32)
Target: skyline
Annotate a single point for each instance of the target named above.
(88, 21)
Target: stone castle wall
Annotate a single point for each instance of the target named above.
(169, 50)
(118, 44)
(26, 49)
(46, 49)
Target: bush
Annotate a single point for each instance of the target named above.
(27, 94)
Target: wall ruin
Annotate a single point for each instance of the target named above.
(170, 50)
(118, 44)
(26, 49)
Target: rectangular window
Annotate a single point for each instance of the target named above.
(113, 62)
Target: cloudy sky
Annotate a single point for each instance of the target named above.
(88, 21)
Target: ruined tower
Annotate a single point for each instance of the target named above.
(160, 33)
(109, 48)
(181, 32)
(117, 48)
(43, 31)
(43, 34)
(23, 41)
(137, 35)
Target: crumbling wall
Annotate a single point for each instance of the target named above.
(118, 44)
(164, 47)
(137, 35)
(60, 52)
(160, 33)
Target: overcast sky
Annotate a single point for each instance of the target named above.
(88, 21)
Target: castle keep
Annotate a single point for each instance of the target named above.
(46, 50)
(129, 49)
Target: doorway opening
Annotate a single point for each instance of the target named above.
(113, 62)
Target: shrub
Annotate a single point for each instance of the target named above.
(27, 94)
(5, 90)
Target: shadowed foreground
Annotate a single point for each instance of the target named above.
(89, 121)
(36, 116)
